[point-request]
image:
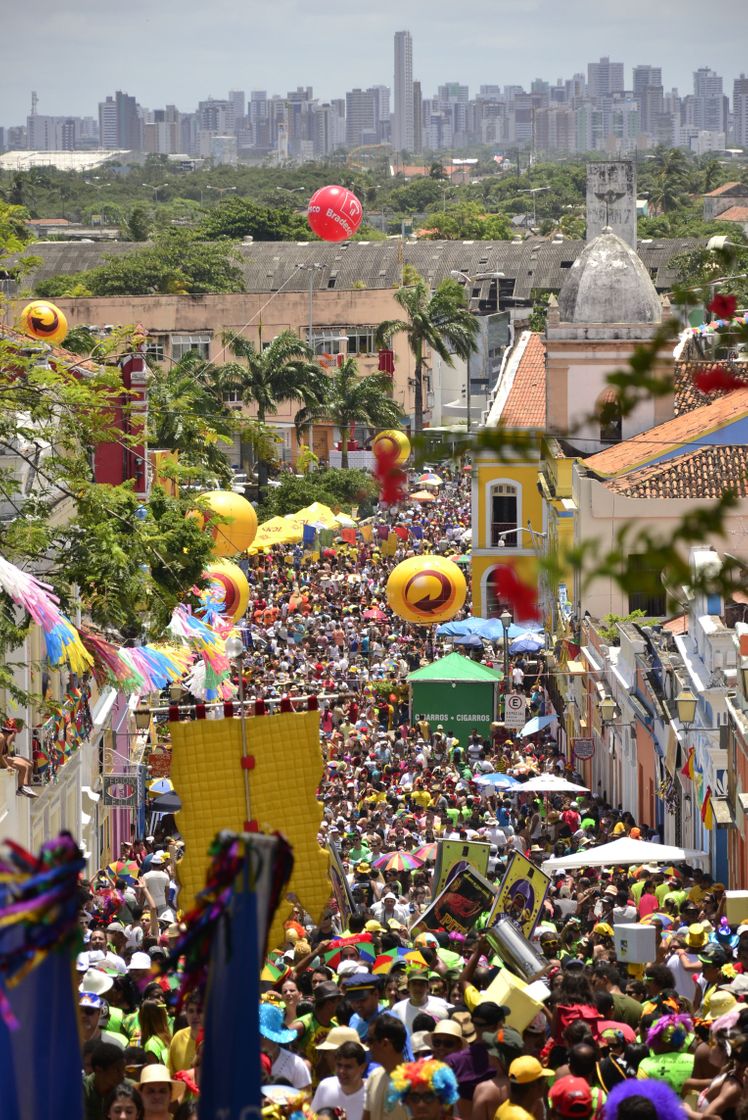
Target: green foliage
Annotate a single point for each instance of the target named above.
(467, 221)
(186, 415)
(607, 627)
(539, 313)
(178, 263)
(138, 224)
(349, 399)
(439, 320)
(337, 488)
(236, 218)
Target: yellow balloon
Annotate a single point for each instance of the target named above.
(237, 531)
(426, 589)
(392, 439)
(230, 580)
(44, 320)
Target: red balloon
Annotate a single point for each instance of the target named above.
(334, 213)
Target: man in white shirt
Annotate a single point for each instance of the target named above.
(157, 883)
(274, 1036)
(388, 910)
(419, 999)
(346, 1089)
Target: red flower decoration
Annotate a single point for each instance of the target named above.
(523, 598)
(717, 379)
(723, 307)
(388, 474)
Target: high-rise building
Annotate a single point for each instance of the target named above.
(604, 77)
(646, 76)
(402, 121)
(119, 122)
(708, 109)
(238, 101)
(417, 118)
(740, 111)
(360, 117)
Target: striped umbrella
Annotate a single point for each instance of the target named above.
(385, 961)
(650, 919)
(426, 852)
(272, 973)
(362, 942)
(402, 861)
(125, 869)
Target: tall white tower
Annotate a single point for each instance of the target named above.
(402, 121)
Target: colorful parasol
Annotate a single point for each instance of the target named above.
(430, 479)
(426, 852)
(375, 614)
(422, 496)
(362, 942)
(650, 919)
(159, 786)
(398, 861)
(272, 973)
(386, 960)
(125, 869)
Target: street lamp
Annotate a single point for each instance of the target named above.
(501, 543)
(220, 191)
(456, 273)
(533, 191)
(155, 190)
(506, 618)
(685, 703)
(607, 708)
(234, 647)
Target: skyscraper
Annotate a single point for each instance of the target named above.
(740, 110)
(646, 76)
(402, 122)
(604, 77)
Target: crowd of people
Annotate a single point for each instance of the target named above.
(364, 1013)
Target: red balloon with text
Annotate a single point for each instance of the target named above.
(334, 213)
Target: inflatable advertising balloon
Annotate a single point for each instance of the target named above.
(44, 321)
(392, 440)
(426, 589)
(334, 213)
(236, 531)
(231, 585)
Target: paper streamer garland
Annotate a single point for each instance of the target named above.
(39, 600)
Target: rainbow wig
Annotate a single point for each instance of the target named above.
(428, 1073)
(672, 1029)
(667, 1104)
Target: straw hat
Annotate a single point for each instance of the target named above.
(159, 1075)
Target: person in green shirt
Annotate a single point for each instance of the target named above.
(108, 1070)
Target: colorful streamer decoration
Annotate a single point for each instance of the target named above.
(40, 602)
(39, 896)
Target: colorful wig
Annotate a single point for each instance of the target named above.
(426, 1073)
(666, 1103)
(671, 1029)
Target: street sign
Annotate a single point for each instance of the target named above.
(583, 748)
(515, 710)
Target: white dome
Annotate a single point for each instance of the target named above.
(608, 284)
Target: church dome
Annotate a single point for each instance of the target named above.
(608, 284)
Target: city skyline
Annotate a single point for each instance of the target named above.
(539, 43)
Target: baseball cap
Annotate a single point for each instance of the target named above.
(571, 1097)
(90, 999)
(524, 1070)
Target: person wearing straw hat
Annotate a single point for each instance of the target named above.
(159, 1091)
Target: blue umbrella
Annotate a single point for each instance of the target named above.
(527, 642)
(537, 723)
(470, 641)
(459, 628)
(498, 781)
(492, 630)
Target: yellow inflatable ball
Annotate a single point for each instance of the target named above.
(236, 529)
(231, 584)
(392, 439)
(196, 516)
(426, 589)
(44, 321)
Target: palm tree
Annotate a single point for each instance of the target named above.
(351, 399)
(284, 371)
(440, 320)
(670, 179)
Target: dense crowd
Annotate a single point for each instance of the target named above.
(363, 1016)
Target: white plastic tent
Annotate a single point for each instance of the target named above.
(548, 783)
(625, 852)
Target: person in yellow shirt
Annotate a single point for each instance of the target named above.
(182, 1048)
(528, 1082)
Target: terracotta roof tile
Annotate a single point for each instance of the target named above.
(721, 190)
(733, 214)
(706, 472)
(686, 396)
(525, 405)
(684, 429)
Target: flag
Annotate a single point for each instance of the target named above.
(707, 812)
(688, 770)
(366, 533)
(348, 535)
(309, 536)
(230, 1070)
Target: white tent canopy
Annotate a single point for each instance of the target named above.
(549, 783)
(625, 852)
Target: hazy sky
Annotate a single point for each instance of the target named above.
(76, 52)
